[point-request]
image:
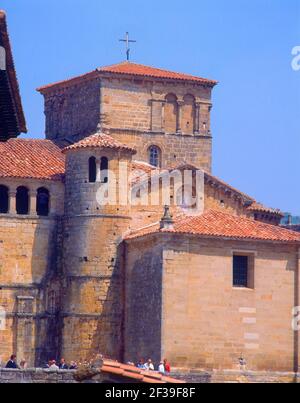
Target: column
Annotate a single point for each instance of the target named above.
(179, 116)
(25, 329)
(157, 115)
(98, 170)
(33, 202)
(12, 202)
(197, 117)
(204, 118)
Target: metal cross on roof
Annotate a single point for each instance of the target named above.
(127, 41)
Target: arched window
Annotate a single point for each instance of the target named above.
(4, 200)
(42, 202)
(104, 170)
(155, 156)
(171, 114)
(188, 115)
(22, 200)
(92, 170)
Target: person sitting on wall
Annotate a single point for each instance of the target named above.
(73, 366)
(161, 368)
(141, 364)
(53, 366)
(12, 363)
(167, 367)
(63, 364)
(149, 365)
(23, 364)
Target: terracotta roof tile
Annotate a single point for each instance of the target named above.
(38, 159)
(100, 141)
(263, 209)
(135, 69)
(134, 373)
(130, 69)
(215, 223)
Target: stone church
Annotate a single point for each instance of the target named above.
(79, 277)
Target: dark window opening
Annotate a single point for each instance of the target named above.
(104, 170)
(240, 271)
(4, 200)
(92, 170)
(43, 201)
(22, 200)
(154, 156)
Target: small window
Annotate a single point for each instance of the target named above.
(4, 200)
(155, 156)
(92, 170)
(22, 201)
(104, 170)
(43, 201)
(243, 271)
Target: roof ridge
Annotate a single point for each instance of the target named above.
(220, 224)
(169, 74)
(92, 141)
(152, 67)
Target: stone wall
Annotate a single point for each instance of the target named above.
(143, 304)
(41, 376)
(93, 261)
(29, 263)
(28, 259)
(73, 112)
(237, 376)
(175, 148)
(137, 112)
(206, 322)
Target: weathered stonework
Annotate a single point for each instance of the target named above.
(71, 286)
(138, 113)
(190, 273)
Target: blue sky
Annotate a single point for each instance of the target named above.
(244, 44)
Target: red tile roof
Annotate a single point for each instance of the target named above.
(100, 141)
(38, 159)
(131, 69)
(135, 374)
(11, 74)
(263, 209)
(218, 224)
(135, 69)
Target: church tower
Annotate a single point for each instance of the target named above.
(97, 215)
(164, 115)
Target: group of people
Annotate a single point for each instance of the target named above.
(62, 365)
(12, 363)
(164, 366)
(52, 365)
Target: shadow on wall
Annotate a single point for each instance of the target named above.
(144, 305)
(108, 337)
(37, 302)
